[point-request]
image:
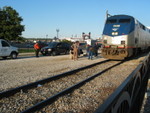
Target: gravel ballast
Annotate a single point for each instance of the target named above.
(85, 99)
(35, 95)
(26, 70)
(90, 96)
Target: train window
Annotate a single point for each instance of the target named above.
(110, 21)
(124, 21)
(143, 27)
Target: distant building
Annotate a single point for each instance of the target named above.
(74, 39)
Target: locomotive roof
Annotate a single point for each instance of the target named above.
(119, 16)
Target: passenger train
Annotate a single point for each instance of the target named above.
(124, 36)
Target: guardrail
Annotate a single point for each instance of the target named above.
(128, 97)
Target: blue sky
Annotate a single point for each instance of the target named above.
(72, 17)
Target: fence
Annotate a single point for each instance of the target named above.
(129, 96)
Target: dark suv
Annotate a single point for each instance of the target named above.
(55, 48)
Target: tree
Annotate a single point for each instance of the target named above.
(67, 41)
(10, 24)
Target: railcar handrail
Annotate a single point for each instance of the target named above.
(128, 97)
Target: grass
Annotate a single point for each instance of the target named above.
(26, 50)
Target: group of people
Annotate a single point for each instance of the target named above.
(75, 50)
(92, 50)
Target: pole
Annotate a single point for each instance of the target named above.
(57, 30)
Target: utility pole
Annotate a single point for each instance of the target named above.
(57, 30)
(46, 36)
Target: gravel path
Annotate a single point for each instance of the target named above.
(29, 69)
(33, 96)
(85, 99)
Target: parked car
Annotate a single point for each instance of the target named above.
(6, 50)
(55, 48)
(29, 45)
(43, 44)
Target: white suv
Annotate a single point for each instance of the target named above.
(6, 50)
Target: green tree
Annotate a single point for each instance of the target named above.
(10, 24)
(67, 41)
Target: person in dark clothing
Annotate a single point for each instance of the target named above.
(96, 47)
(90, 53)
(71, 52)
(87, 49)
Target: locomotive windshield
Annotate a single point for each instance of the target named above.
(111, 21)
(124, 21)
(118, 25)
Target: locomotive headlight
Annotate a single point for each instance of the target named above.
(113, 33)
(116, 33)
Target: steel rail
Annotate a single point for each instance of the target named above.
(51, 99)
(12, 91)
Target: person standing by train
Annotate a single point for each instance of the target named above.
(71, 52)
(87, 49)
(75, 50)
(37, 49)
(96, 47)
(91, 52)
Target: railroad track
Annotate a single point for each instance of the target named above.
(48, 90)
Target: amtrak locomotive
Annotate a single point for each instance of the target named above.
(124, 36)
